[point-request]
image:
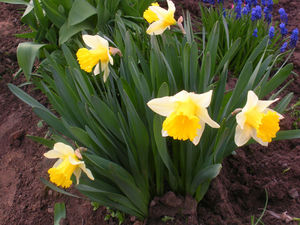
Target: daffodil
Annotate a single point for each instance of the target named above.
(160, 19)
(99, 52)
(186, 114)
(67, 164)
(256, 120)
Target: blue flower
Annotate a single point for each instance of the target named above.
(256, 13)
(238, 9)
(268, 15)
(263, 2)
(255, 32)
(283, 15)
(283, 29)
(246, 10)
(220, 1)
(270, 4)
(283, 47)
(254, 2)
(271, 32)
(294, 38)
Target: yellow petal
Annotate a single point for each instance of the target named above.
(268, 127)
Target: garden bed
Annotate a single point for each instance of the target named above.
(236, 194)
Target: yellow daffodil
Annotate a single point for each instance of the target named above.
(186, 114)
(98, 52)
(256, 120)
(159, 18)
(67, 164)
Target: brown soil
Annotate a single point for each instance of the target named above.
(236, 194)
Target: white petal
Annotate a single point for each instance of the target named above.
(87, 171)
(164, 133)
(240, 119)
(181, 96)
(171, 6)
(77, 173)
(111, 60)
(252, 100)
(242, 136)
(159, 11)
(105, 69)
(74, 162)
(202, 100)
(156, 28)
(94, 41)
(199, 133)
(254, 136)
(203, 115)
(97, 69)
(63, 149)
(262, 105)
(53, 154)
(163, 106)
(57, 163)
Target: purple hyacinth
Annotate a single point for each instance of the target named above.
(294, 38)
(255, 32)
(283, 15)
(238, 9)
(256, 13)
(270, 5)
(283, 47)
(254, 2)
(283, 29)
(246, 9)
(263, 2)
(271, 32)
(268, 15)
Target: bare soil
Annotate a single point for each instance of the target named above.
(236, 194)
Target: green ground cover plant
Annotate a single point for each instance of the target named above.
(144, 115)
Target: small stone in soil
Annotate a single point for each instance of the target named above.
(293, 193)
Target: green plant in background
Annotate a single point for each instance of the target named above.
(59, 212)
(115, 214)
(249, 22)
(128, 153)
(55, 22)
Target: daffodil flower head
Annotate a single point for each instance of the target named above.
(186, 114)
(256, 120)
(98, 53)
(67, 164)
(160, 19)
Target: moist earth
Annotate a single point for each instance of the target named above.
(238, 193)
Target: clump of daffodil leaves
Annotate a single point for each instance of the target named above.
(158, 116)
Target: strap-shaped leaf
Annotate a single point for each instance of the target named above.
(26, 54)
(287, 134)
(80, 11)
(59, 212)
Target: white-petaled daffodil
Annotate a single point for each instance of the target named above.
(256, 120)
(99, 52)
(160, 19)
(67, 164)
(186, 114)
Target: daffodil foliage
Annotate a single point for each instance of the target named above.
(164, 118)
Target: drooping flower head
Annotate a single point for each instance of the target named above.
(98, 53)
(294, 38)
(256, 120)
(67, 164)
(283, 29)
(186, 114)
(159, 18)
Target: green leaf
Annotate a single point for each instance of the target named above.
(26, 54)
(57, 189)
(80, 11)
(287, 134)
(281, 106)
(205, 174)
(67, 31)
(43, 141)
(53, 13)
(15, 2)
(25, 97)
(59, 212)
